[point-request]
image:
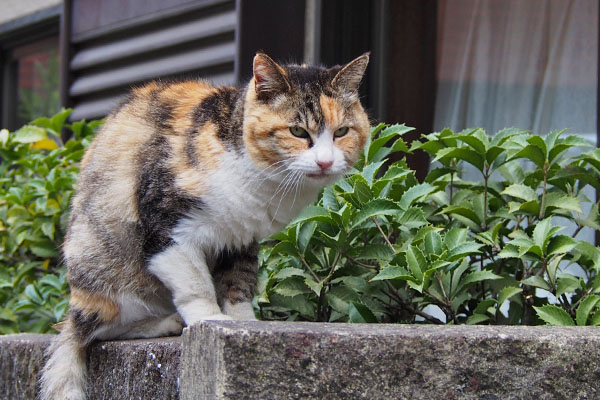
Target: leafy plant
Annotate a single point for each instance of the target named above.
(380, 246)
(37, 174)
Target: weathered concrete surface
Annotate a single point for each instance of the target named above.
(21, 360)
(132, 369)
(260, 360)
(135, 369)
(268, 360)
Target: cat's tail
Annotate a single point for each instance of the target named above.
(64, 375)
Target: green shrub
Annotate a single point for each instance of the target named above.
(37, 174)
(379, 246)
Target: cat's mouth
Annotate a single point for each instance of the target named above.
(319, 175)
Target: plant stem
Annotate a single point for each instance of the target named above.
(486, 177)
(309, 268)
(543, 204)
(383, 234)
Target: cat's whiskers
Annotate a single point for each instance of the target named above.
(281, 191)
(287, 189)
(299, 184)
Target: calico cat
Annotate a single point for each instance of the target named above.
(176, 191)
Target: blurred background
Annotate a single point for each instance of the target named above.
(435, 64)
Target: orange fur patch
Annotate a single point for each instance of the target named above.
(333, 113)
(185, 96)
(90, 303)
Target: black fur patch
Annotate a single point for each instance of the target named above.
(161, 112)
(243, 258)
(224, 108)
(84, 324)
(160, 203)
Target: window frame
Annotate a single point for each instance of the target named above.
(31, 28)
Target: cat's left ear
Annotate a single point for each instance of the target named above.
(351, 74)
(269, 78)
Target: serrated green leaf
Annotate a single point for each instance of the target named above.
(585, 308)
(393, 272)
(520, 191)
(560, 244)
(554, 315)
(287, 248)
(532, 153)
(477, 318)
(289, 272)
(471, 156)
(316, 287)
(478, 276)
(509, 251)
(542, 232)
(463, 250)
(433, 243)
(305, 234)
(360, 313)
(563, 202)
(297, 303)
(313, 213)
(416, 262)
(506, 293)
(415, 193)
(291, 287)
(566, 283)
(454, 237)
(373, 251)
(536, 281)
(411, 219)
(339, 298)
(374, 208)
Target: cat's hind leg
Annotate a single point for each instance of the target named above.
(235, 277)
(170, 325)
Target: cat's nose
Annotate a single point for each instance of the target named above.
(324, 165)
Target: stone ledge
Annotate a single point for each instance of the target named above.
(132, 369)
(275, 360)
(249, 360)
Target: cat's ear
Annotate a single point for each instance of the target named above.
(269, 78)
(351, 74)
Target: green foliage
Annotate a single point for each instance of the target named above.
(37, 174)
(380, 246)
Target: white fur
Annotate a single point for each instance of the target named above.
(186, 275)
(239, 311)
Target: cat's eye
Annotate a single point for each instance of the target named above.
(299, 132)
(340, 132)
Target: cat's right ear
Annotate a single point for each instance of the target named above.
(269, 78)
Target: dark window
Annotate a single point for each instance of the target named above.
(35, 69)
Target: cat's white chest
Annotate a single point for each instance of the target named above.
(241, 207)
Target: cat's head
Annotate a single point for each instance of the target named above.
(306, 120)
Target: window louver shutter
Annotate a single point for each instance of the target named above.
(194, 40)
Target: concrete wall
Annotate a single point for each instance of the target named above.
(267, 360)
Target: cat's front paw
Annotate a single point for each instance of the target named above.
(218, 317)
(213, 317)
(239, 311)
